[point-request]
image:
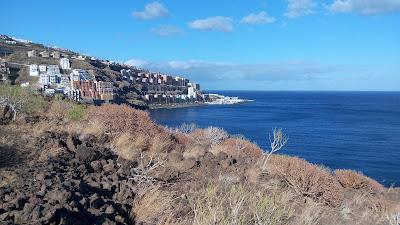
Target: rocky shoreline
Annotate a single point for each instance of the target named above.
(175, 106)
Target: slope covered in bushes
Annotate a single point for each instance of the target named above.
(112, 165)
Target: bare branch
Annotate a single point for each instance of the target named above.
(141, 174)
(277, 142)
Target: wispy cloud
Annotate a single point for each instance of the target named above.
(364, 7)
(166, 30)
(206, 72)
(217, 23)
(152, 11)
(258, 18)
(299, 8)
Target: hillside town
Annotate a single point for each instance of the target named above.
(65, 77)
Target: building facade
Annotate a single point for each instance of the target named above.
(33, 70)
(65, 64)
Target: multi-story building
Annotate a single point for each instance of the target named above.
(53, 69)
(33, 70)
(11, 42)
(44, 79)
(54, 78)
(42, 68)
(192, 93)
(64, 63)
(80, 75)
(104, 90)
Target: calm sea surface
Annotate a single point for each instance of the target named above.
(354, 130)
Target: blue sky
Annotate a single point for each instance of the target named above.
(228, 44)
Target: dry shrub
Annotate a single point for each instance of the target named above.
(92, 128)
(57, 109)
(186, 128)
(225, 204)
(238, 147)
(183, 139)
(194, 152)
(307, 179)
(311, 213)
(356, 180)
(209, 136)
(129, 147)
(153, 206)
(118, 119)
(162, 142)
(365, 208)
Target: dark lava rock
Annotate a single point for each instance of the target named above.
(86, 186)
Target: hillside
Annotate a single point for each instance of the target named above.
(64, 163)
(128, 85)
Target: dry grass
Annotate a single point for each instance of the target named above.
(119, 119)
(307, 179)
(162, 142)
(221, 204)
(194, 152)
(154, 206)
(57, 109)
(129, 147)
(356, 180)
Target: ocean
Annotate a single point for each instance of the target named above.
(351, 130)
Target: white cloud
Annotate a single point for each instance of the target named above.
(298, 8)
(364, 7)
(166, 30)
(217, 23)
(152, 11)
(260, 18)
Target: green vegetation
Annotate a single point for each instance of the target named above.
(21, 100)
(76, 112)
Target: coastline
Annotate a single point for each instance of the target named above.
(175, 105)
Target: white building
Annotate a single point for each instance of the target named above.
(64, 82)
(49, 79)
(32, 53)
(42, 68)
(45, 54)
(78, 74)
(11, 42)
(81, 57)
(64, 63)
(33, 70)
(54, 78)
(53, 69)
(192, 93)
(55, 55)
(44, 79)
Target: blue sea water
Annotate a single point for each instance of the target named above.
(353, 130)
